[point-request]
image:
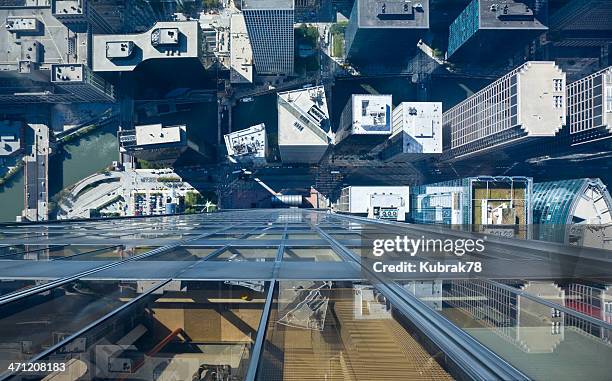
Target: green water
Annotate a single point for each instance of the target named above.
(73, 162)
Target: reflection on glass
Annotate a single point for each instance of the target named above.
(312, 254)
(46, 252)
(184, 331)
(31, 324)
(264, 236)
(247, 254)
(294, 236)
(543, 342)
(10, 286)
(322, 330)
(182, 254)
(345, 236)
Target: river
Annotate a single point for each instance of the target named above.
(76, 160)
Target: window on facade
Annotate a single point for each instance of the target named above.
(558, 101)
(558, 84)
(609, 99)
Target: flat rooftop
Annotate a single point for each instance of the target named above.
(247, 142)
(151, 134)
(10, 137)
(123, 52)
(371, 114)
(267, 4)
(241, 52)
(302, 117)
(34, 36)
(510, 14)
(422, 121)
(393, 13)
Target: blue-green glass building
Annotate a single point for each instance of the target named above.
(559, 205)
(485, 26)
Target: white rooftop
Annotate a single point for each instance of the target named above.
(248, 142)
(371, 114)
(157, 134)
(10, 137)
(422, 124)
(168, 39)
(303, 119)
(241, 53)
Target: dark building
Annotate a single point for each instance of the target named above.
(487, 26)
(583, 24)
(385, 30)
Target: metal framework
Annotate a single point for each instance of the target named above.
(234, 248)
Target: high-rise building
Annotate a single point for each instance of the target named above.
(165, 40)
(241, 51)
(365, 122)
(582, 25)
(248, 145)
(277, 295)
(565, 211)
(378, 202)
(270, 27)
(417, 131)
(508, 314)
(154, 142)
(385, 31)
(34, 39)
(303, 125)
(493, 26)
(11, 138)
(79, 80)
(80, 14)
(496, 205)
(526, 104)
(589, 107)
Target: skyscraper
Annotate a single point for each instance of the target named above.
(560, 207)
(385, 29)
(498, 205)
(365, 122)
(526, 104)
(37, 41)
(303, 125)
(154, 142)
(417, 131)
(487, 26)
(270, 27)
(589, 107)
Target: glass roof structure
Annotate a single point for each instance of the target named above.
(285, 294)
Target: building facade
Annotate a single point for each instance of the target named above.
(527, 103)
(385, 30)
(154, 142)
(248, 145)
(486, 25)
(416, 131)
(303, 125)
(34, 39)
(377, 202)
(270, 27)
(165, 40)
(495, 205)
(565, 211)
(589, 107)
(11, 138)
(365, 123)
